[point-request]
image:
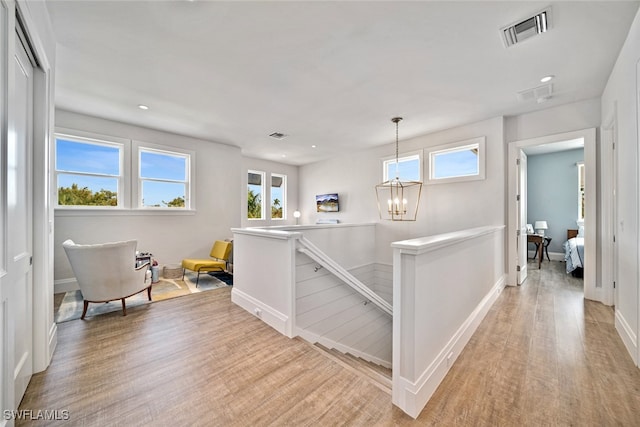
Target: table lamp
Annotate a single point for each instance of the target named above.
(540, 227)
(296, 215)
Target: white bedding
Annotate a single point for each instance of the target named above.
(574, 253)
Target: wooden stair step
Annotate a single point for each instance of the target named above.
(359, 366)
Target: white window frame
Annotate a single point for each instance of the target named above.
(432, 152)
(263, 193)
(90, 138)
(139, 147)
(405, 157)
(284, 196)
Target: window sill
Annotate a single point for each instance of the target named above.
(62, 212)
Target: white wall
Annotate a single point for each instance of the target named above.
(169, 236)
(443, 207)
(620, 99)
(269, 167)
(563, 118)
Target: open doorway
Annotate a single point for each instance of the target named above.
(555, 201)
(516, 239)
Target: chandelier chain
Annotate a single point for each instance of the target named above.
(396, 120)
(396, 143)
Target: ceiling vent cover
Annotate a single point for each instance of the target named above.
(278, 135)
(540, 94)
(537, 24)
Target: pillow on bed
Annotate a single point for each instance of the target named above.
(581, 231)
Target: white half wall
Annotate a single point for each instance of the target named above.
(264, 276)
(442, 288)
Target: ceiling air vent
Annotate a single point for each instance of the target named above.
(278, 135)
(537, 24)
(540, 94)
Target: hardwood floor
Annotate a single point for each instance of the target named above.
(542, 356)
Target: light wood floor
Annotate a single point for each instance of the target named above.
(542, 356)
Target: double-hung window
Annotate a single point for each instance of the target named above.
(89, 172)
(99, 172)
(163, 178)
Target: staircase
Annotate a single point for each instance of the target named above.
(377, 375)
(336, 310)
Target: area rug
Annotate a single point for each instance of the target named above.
(72, 303)
(224, 276)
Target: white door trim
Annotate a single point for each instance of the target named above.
(591, 290)
(608, 182)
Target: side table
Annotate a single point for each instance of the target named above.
(545, 247)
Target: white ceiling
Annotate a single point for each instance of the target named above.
(330, 74)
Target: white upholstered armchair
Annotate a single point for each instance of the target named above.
(106, 272)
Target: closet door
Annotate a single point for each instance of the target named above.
(19, 285)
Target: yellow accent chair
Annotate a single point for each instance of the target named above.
(220, 253)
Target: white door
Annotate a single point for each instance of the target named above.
(522, 217)
(19, 284)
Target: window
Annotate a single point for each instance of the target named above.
(88, 172)
(100, 172)
(408, 168)
(278, 196)
(460, 161)
(163, 180)
(580, 191)
(255, 192)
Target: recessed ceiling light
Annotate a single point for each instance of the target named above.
(546, 79)
(143, 107)
(314, 146)
(284, 155)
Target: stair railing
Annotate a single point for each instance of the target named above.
(313, 252)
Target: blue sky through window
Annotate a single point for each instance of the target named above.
(455, 163)
(162, 166)
(74, 156)
(97, 167)
(154, 192)
(408, 169)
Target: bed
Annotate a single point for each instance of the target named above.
(574, 252)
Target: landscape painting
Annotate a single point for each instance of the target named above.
(327, 202)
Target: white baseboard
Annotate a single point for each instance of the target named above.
(272, 317)
(553, 256)
(315, 338)
(413, 397)
(629, 339)
(65, 285)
